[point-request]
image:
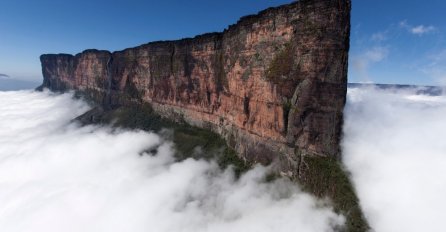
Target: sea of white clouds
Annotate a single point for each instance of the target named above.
(395, 147)
(57, 176)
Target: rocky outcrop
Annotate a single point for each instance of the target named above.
(273, 85)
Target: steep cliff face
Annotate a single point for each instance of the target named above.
(273, 85)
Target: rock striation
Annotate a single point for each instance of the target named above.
(273, 85)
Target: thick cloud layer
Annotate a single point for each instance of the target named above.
(57, 176)
(395, 147)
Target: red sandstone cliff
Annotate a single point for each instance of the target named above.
(273, 85)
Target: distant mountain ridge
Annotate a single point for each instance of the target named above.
(419, 89)
(11, 84)
(4, 75)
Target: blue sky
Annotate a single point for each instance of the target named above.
(392, 41)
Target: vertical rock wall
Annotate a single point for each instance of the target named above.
(273, 85)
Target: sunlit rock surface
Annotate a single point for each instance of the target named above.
(273, 85)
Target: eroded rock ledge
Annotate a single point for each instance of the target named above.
(273, 85)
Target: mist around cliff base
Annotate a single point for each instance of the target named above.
(394, 145)
(58, 176)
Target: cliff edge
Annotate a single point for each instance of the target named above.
(273, 85)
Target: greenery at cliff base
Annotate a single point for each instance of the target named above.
(189, 141)
(326, 177)
(323, 177)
